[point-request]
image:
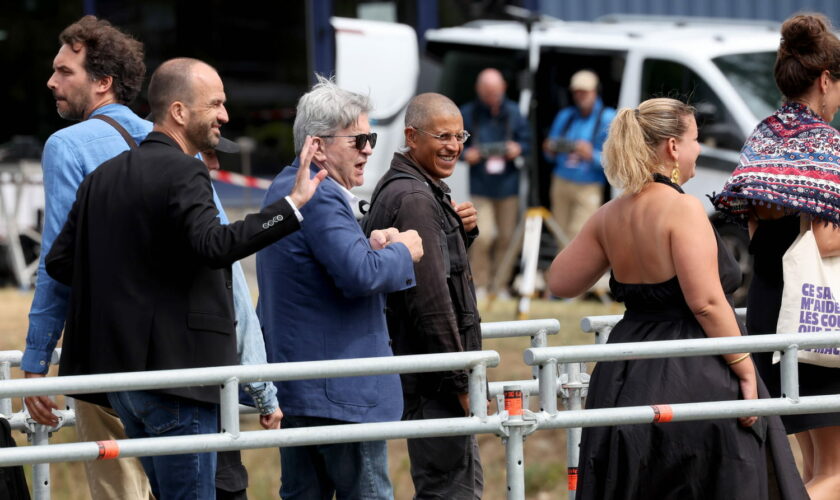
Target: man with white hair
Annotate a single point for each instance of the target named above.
(322, 296)
(574, 143)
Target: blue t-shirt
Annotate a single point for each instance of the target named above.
(572, 126)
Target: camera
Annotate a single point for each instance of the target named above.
(488, 149)
(560, 145)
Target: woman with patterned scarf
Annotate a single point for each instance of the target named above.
(789, 173)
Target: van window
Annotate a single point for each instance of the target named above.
(461, 66)
(751, 76)
(717, 128)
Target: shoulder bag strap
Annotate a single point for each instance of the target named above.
(123, 132)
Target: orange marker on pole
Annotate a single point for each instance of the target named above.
(513, 400)
(108, 450)
(572, 472)
(662, 413)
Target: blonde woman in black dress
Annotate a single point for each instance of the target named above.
(673, 275)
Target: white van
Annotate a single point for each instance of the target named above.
(723, 68)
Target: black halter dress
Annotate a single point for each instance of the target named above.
(708, 459)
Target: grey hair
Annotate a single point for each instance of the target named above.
(326, 109)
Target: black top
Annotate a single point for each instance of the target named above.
(149, 265)
(771, 240)
(706, 459)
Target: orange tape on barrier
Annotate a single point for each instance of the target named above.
(513, 402)
(572, 472)
(662, 413)
(108, 450)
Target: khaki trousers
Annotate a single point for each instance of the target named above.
(109, 479)
(496, 222)
(572, 204)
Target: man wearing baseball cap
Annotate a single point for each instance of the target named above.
(574, 144)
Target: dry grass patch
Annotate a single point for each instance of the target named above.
(545, 451)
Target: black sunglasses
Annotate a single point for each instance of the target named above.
(361, 139)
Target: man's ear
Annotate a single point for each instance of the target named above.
(320, 154)
(410, 137)
(179, 113)
(104, 84)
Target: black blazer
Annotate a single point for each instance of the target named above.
(149, 266)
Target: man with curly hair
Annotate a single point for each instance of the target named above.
(97, 72)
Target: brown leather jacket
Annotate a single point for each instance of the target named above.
(439, 314)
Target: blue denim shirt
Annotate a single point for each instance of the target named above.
(249, 338)
(70, 154)
(577, 127)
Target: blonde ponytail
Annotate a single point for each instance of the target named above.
(630, 156)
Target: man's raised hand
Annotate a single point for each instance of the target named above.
(305, 187)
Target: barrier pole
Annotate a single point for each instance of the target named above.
(478, 391)
(41, 472)
(229, 410)
(5, 374)
(574, 402)
(548, 386)
(514, 449)
(790, 373)
(539, 339)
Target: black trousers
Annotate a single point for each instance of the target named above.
(442, 467)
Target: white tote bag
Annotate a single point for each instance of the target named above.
(811, 297)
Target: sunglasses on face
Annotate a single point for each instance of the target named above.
(361, 139)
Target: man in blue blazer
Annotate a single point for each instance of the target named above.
(322, 296)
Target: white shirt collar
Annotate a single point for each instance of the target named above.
(352, 199)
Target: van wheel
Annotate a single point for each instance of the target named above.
(737, 241)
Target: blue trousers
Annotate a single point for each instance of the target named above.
(351, 471)
(152, 414)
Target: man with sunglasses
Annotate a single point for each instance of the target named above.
(322, 296)
(439, 314)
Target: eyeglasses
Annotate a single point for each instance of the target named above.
(361, 139)
(461, 137)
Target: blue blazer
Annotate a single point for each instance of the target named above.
(322, 296)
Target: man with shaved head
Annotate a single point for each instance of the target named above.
(440, 313)
(499, 139)
(149, 266)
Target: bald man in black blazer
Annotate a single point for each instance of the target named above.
(149, 265)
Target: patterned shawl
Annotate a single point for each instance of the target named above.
(791, 161)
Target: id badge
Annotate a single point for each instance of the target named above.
(495, 165)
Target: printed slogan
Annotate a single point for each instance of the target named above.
(819, 312)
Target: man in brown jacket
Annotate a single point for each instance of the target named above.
(440, 314)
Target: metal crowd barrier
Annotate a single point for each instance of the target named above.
(512, 424)
(38, 434)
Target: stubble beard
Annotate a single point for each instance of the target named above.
(74, 111)
(201, 136)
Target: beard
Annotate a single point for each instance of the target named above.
(71, 107)
(201, 135)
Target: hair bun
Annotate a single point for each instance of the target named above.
(801, 34)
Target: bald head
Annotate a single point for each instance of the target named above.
(425, 108)
(174, 80)
(490, 86)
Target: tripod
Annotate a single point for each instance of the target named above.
(527, 237)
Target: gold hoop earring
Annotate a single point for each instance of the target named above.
(675, 173)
